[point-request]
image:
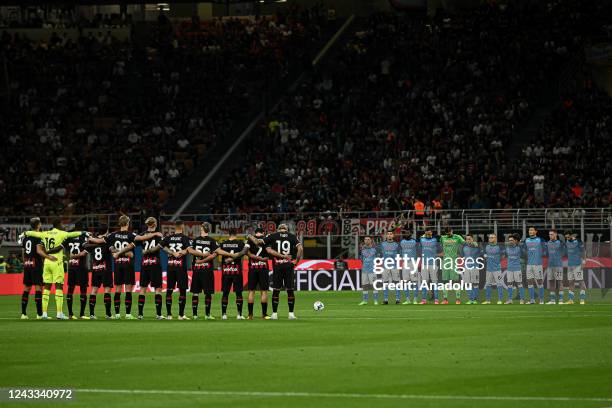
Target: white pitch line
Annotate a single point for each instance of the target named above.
(273, 394)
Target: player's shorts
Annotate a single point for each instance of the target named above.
(449, 273)
(471, 276)
(410, 274)
(535, 272)
(495, 278)
(124, 274)
(203, 280)
(283, 276)
(229, 281)
(259, 278)
(78, 276)
(368, 279)
(151, 275)
(102, 277)
(555, 272)
(33, 276)
(514, 277)
(177, 278)
(429, 273)
(390, 275)
(53, 272)
(574, 273)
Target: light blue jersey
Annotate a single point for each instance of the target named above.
(575, 252)
(555, 253)
(430, 248)
(513, 254)
(367, 259)
(388, 250)
(535, 248)
(493, 253)
(409, 248)
(470, 254)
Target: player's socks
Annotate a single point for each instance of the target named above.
(250, 308)
(239, 303)
(407, 294)
(445, 293)
(386, 295)
(561, 295)
(117, 302)
(291, 300)
(500, 293)
(92, 305)
(38, 301)
(195, 300)
(69, 299)
(531, 292)
(521, 292)
(24, 301)
(510, 292)
(141, 302)
(541, 292)
(83, 299)
(169, 302)
(582, 294)
(488, 293)
(158, 303)
(476, 293)
(415, 293)
(570, 294)
(128, 303)
(107, 303)
(224, 304)
(424, 294)
(375, 293)
(208, 302)
(553, 296)
(435, 291)
(398, 294)
(264, 308)
(45, 300)
(59, 301)
(182, 301)
(365, 296)
(275, 296)
(458, 295)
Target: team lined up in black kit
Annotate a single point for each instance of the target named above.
(282, 247)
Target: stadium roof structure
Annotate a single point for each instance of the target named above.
(120, 2)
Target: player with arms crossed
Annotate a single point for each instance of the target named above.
(493, 254)
(284, 248)
(124, 266)
(451, 245)
(367, 255)
(150, 270)
(471, 252)
(233, 249)
(259, 275)
(77, 273)
(203, 279)
(535, 248)
(554, 249)
(53, 269)
(514, 272)
(410, 271)
(430, 248)
(575, 260)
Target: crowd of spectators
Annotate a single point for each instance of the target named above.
(100, 125)
(412, 111)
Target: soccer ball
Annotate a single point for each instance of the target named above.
(318, 306)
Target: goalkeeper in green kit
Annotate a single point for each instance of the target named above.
(451, 245)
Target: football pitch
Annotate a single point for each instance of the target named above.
(356, 356)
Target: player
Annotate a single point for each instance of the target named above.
(101, 271)
(203, 279)
(367, 255)
(231, 272)
(493, 254)
(284, 248)
(388, 250)
(471, 252)
(430, 248)
(32, 270)
(535, 248)
(259, 275)
(177, 246)
(410, 271)
(150, 272)
(555, 250)
(125, 277)
(575, 259)
(451, 245)
(53, 268)
(77, 273)
(514, 272)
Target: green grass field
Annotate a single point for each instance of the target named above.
(357, 356)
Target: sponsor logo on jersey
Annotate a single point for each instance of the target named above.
(99, 266)
(149, 261)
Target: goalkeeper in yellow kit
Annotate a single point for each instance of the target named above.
(53, 269)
